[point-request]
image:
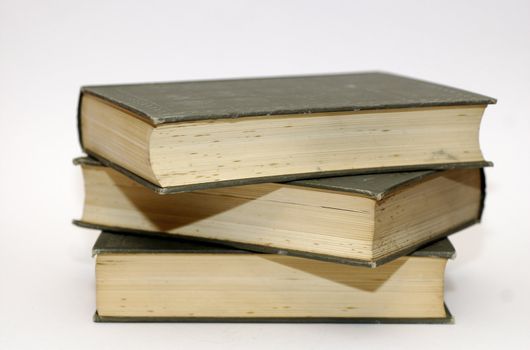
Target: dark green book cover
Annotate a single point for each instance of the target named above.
(162, 103)
(116, 243)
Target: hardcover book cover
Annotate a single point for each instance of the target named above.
(162, 103)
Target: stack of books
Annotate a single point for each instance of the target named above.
(293, 199)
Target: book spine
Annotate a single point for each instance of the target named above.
(483, 193)
(79, 128)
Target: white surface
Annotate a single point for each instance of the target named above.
(49, 48)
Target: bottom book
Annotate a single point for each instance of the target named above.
(152, 279)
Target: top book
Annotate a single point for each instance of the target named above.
(184, 136)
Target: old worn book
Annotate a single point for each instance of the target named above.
(184, 136)
(153, 279)
(360, 220)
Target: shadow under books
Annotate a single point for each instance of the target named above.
(362, 278)
(183, 209)
(192, 207)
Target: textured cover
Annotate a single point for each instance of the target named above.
(109, 243)
(159, 103)
(113, 242)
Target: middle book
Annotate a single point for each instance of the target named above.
(359, 220)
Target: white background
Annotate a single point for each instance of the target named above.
(48, 49)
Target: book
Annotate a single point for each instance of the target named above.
(184, 136)
(150, 279)
(364, 220)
